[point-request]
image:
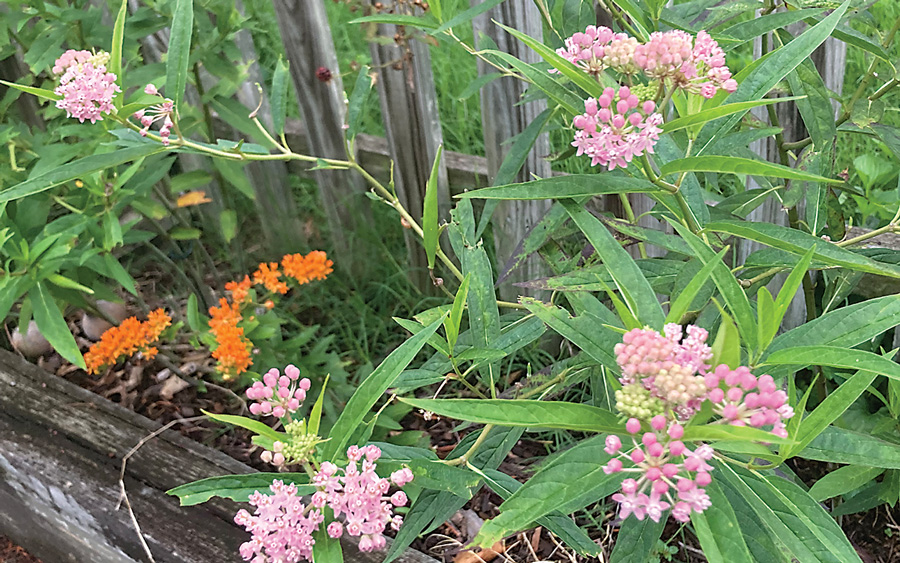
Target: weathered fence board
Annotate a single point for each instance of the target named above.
(306, 36)
(61, 448)
(413, 128)
(503, 116)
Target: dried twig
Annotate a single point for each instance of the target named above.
(123, 496)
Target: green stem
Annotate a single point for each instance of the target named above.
(463, 459)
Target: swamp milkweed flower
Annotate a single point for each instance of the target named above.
(87, 89)
(665, 380)
(613, 132)
(282, 526)
(129, 337)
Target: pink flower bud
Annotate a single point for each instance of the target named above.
(629, 486)
(660, 487)
(658, 422)
(656, 450)
(614, 466)
(399, 499)
(292, 371)
(692, 463)
(633, 426)
(734, 394)
(278, 459)
(304, 384)
(613, 444)
(703, 479)
(717, 395)
(676, 448)
(653, 474)
(278, 412)
(649, 438)
(335, 530)
(670, 470)
(676, 431)
(271, 378)
(151, 90)
(637, 456)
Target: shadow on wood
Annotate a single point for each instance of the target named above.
(61, 448)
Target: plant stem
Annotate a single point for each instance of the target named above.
(463, 459)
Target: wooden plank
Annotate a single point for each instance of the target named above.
(60, 455)
(503, 117)
(306, 36)
(413, 128)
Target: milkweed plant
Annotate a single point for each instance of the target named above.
(687, 396)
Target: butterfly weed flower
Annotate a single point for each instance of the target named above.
(130, 337)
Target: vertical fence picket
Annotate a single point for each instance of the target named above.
(503, 117)
(306, 36)
(413, 128)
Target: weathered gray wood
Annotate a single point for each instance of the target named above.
(61, 448)
(413, 128)
(274, 200)
(307, 41)
(503, 117)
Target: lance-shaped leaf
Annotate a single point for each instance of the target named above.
(237, 487)
(562, 187)
(430, 210)
(843, 480)
(280, 96)
(836, 357)
(372, 388)
(799, 243)
(719, 530)
(719, 111)
(585, 331)
(838, 445)
(53, 325)
(738, 165)
(115, 52)
(631, 283)
(179, 50)
(569, 482)
(524, 413)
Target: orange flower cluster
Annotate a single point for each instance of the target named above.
(267, 275)
(129, 337)
(232, 345)
(233, 348)
(304, 269)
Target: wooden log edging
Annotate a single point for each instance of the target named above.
(61, 450)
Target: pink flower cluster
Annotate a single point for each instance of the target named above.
(697, 66)
(163, 111)
(668, 367)
(283, 525)
(613, 132)
(599, 48)
(748, 400)
(672, 474)
(87, 89)
(278, 394)
(361, 496)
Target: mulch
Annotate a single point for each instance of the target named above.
(11, 553)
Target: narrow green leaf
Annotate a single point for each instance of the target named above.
(835, 357)
(358, 99)
(523, 413)
(430, 210)
(720, 111)
(636, 540)
(315, 415)
(193, 313)
(179, 50)
(228, 224)
(562, 187)
(843, 480)
(585, 331)
(451, 325)
(790, 516)
(559, 524)
(63, 281)
(738, 165)
(236, 487)
(326, 549)
(421, 22)
(719, 531)
(115, 52)
(39, 92)
(466, 16)
(799, 243)
(727, 432)
(747, 30)
(580, 78)
(280, 95)
(681, 304)
(115, 270)
(837, 445)
(77, 169)
(543, 81)
(756, 83)
(371, 389)
(573, 478)
(53, 325)
(726, 348)
(635, 290)
(729, 287)
(254, 426)
(765, 312)
(847, 327)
